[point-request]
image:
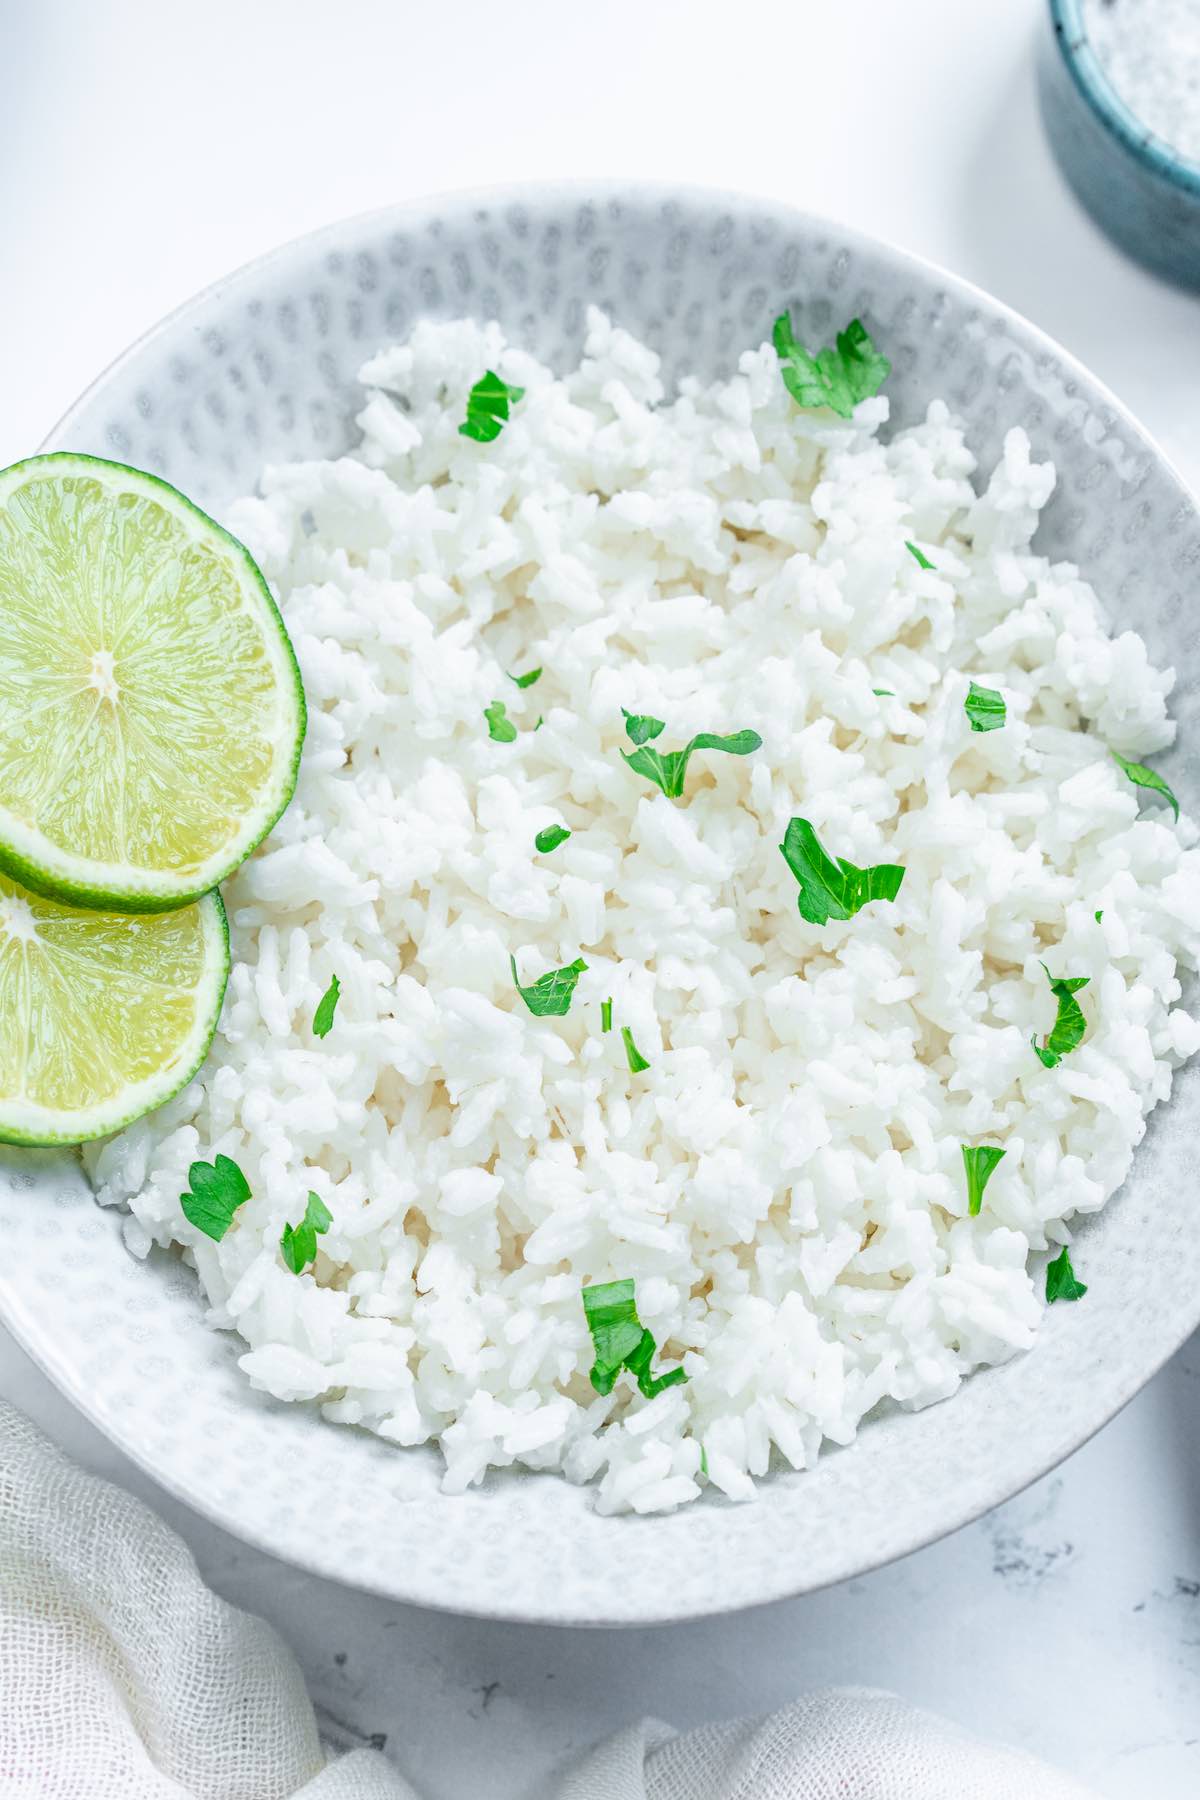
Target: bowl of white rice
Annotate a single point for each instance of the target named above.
(745, 828)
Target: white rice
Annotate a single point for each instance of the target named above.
(785, 1182)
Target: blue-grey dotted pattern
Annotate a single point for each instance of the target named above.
(261, 368)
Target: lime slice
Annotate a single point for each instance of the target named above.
(102, 1015)
(151, 712)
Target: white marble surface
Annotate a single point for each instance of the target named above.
(146, 149)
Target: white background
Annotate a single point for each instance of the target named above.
(147, 147)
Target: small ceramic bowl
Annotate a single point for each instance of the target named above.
(262, 368)
(1137, 188)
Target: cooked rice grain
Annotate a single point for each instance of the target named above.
(785, 1182)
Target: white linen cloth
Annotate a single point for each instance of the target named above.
(122, 1677)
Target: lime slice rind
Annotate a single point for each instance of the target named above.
(114, 587)
(155, 1001)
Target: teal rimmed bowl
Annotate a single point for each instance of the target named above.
(1137, 188)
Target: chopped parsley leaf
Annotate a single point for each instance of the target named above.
(606, 1015)
(885, 693)
(488, 406)
(551, 838)
(526, 680)
(621, 1341)
(500, 726)
(839, 377)
(978, 1160)
(985, 708)
(922, 560)
(1143, 777)
(669, 768)
(551, 995)
(217, 1190)
(326, 1007)
(1099, 915)
(1070, 1024)
(1061, 1280)
(299, 1242)
(633, 1056)
(832, 889)
(641, 727)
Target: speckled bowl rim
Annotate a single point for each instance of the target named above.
(1180, 1313)
(1131, 132)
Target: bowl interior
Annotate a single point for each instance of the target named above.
(261, 368)
(1069, 19)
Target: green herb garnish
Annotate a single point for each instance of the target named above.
(606, 1015)
(299, 1242)
(488, 405)
(885, 693)
(326, 1007)
(500, 726)
(633, 1056)
(1143, 777)
(1098, 915)
(832, 889)
(551, 838)
(621, 1341)
(551, 995)
(1070, 1024)
(1061, 1281)
(526, 680)
(669, 768)
(979, 1161)
(922, 560)
(838, 378)
(985, 708)
(217, 1190)
(641, 727)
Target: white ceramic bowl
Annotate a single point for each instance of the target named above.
(261, 367)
